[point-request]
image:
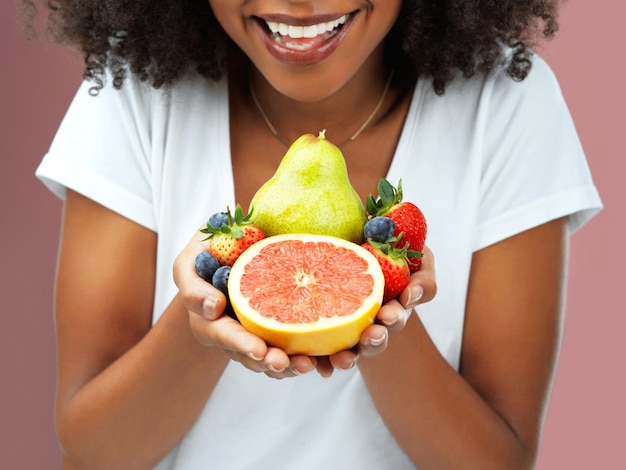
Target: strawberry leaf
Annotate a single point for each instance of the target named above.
(371, 206)
(236, 232)
(388, 196)
(233, 227)
(414, 254)
(248, 218)
(238, 215)
(391, 248)
(386, 192)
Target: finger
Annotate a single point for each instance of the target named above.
(272, 368)
(324, 367)
(227, 334)
(373, 341)
(422, 286)
(276, 360)
(184, 264)
(393, 315)
(300, 364)
(255, 365)
(344, 360)
(197, 295)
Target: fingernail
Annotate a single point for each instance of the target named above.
(208, 306)
(350, 366)
(273, 369)
(378, 341)
(415, 295)
(253, 357)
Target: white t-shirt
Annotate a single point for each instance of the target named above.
(488, 160)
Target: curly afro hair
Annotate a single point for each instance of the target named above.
(432, 39)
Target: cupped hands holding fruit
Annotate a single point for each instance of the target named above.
(299, 295)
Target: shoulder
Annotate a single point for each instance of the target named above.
(496, 105)
(138, 96)
(539, 92)
(499, 86)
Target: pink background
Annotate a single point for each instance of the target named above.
(586, 424)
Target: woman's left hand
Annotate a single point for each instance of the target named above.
(391, 319)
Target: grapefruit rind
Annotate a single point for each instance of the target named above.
(319, 338)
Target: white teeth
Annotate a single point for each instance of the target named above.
(309, 31)
(297, 32)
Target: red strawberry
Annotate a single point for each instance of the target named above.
(406, 215)
(393, 261)
(231, 239)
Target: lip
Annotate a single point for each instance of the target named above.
(312, 51)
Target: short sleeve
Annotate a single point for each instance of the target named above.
(102, 150)
(534, 167)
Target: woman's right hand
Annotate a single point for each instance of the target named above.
(212, 328)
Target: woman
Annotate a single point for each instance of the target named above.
(194, 105)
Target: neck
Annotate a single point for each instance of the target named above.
(310, 107)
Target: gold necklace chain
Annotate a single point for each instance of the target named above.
(353, 137)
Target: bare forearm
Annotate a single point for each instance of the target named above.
(135, 410)
(436, 416)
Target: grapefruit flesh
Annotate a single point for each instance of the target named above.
(305, 293)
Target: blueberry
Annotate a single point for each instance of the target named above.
(206, 265)
(218, 219)
(220, 279)
(379, 228)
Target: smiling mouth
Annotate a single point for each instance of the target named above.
(303, 37)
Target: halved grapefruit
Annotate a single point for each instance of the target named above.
(306, 294)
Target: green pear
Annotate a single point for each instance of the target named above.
(310, 193)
